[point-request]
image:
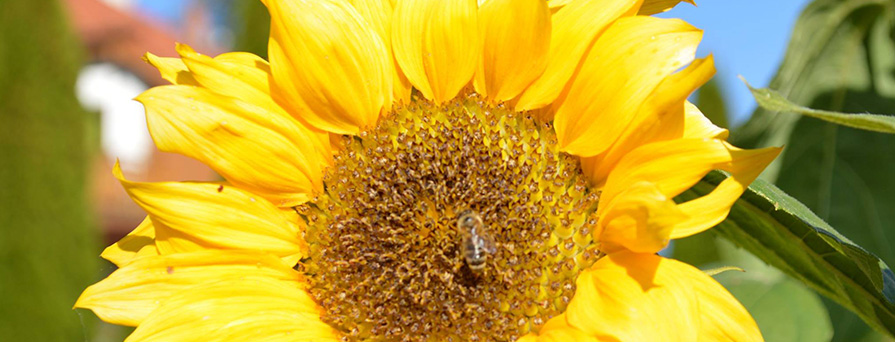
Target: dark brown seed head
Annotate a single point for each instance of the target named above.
(388, 256)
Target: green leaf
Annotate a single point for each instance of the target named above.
(772, 100)
(787, 235)
(718, 270)
(841, 58)
(252, 29)
(710, 100)
(784, 309)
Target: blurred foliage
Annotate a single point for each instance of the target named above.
(770, 99)
(710, 99)
(784, 309)
(48, 244)
(784, 233)
(841, 58)
(252, 26)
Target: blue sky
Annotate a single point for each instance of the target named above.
(169, 11)
(747, 37)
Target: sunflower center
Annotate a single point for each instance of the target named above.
(453, 222)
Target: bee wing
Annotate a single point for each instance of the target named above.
(488, 244)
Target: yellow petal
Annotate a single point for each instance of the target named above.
(558, 330)
(668, 100)
(516, 37)
(436, 44)
(172, 69)
(574, 28)
(216, 216)
(138, 243)
(245, 76)
(697, 126)
(621, 71)
(643, 297)
(709, 210)
(237, 309)
(329, 66)
(237, 74)
(241, 75)
(651, 7)
(173, 241)
(634, 297)
(690, 160)
(558, 3)
(252, 147)
(379, 14)
(131, 293)
(640, 218)
(721, 316)
(660, 117)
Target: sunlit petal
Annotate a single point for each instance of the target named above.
(690, 159)
(662, 116)
(575, 27)
(623, 68)
(132, 292)
(329, 66)
(436, 44)
(651, 7)
(255, 308)
(624, 291)
(251, 146)
(379, 14)
(138, 243)
(217, 216)
(516, 37)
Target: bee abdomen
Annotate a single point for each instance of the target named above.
(475, 254)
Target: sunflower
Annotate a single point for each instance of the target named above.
(433, 170)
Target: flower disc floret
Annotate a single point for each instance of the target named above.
(387, 259)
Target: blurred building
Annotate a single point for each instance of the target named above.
(116, 36)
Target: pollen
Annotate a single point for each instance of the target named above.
(387, 257)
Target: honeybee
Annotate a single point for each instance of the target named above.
(476, 243)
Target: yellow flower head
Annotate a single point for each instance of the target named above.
(433, 170)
